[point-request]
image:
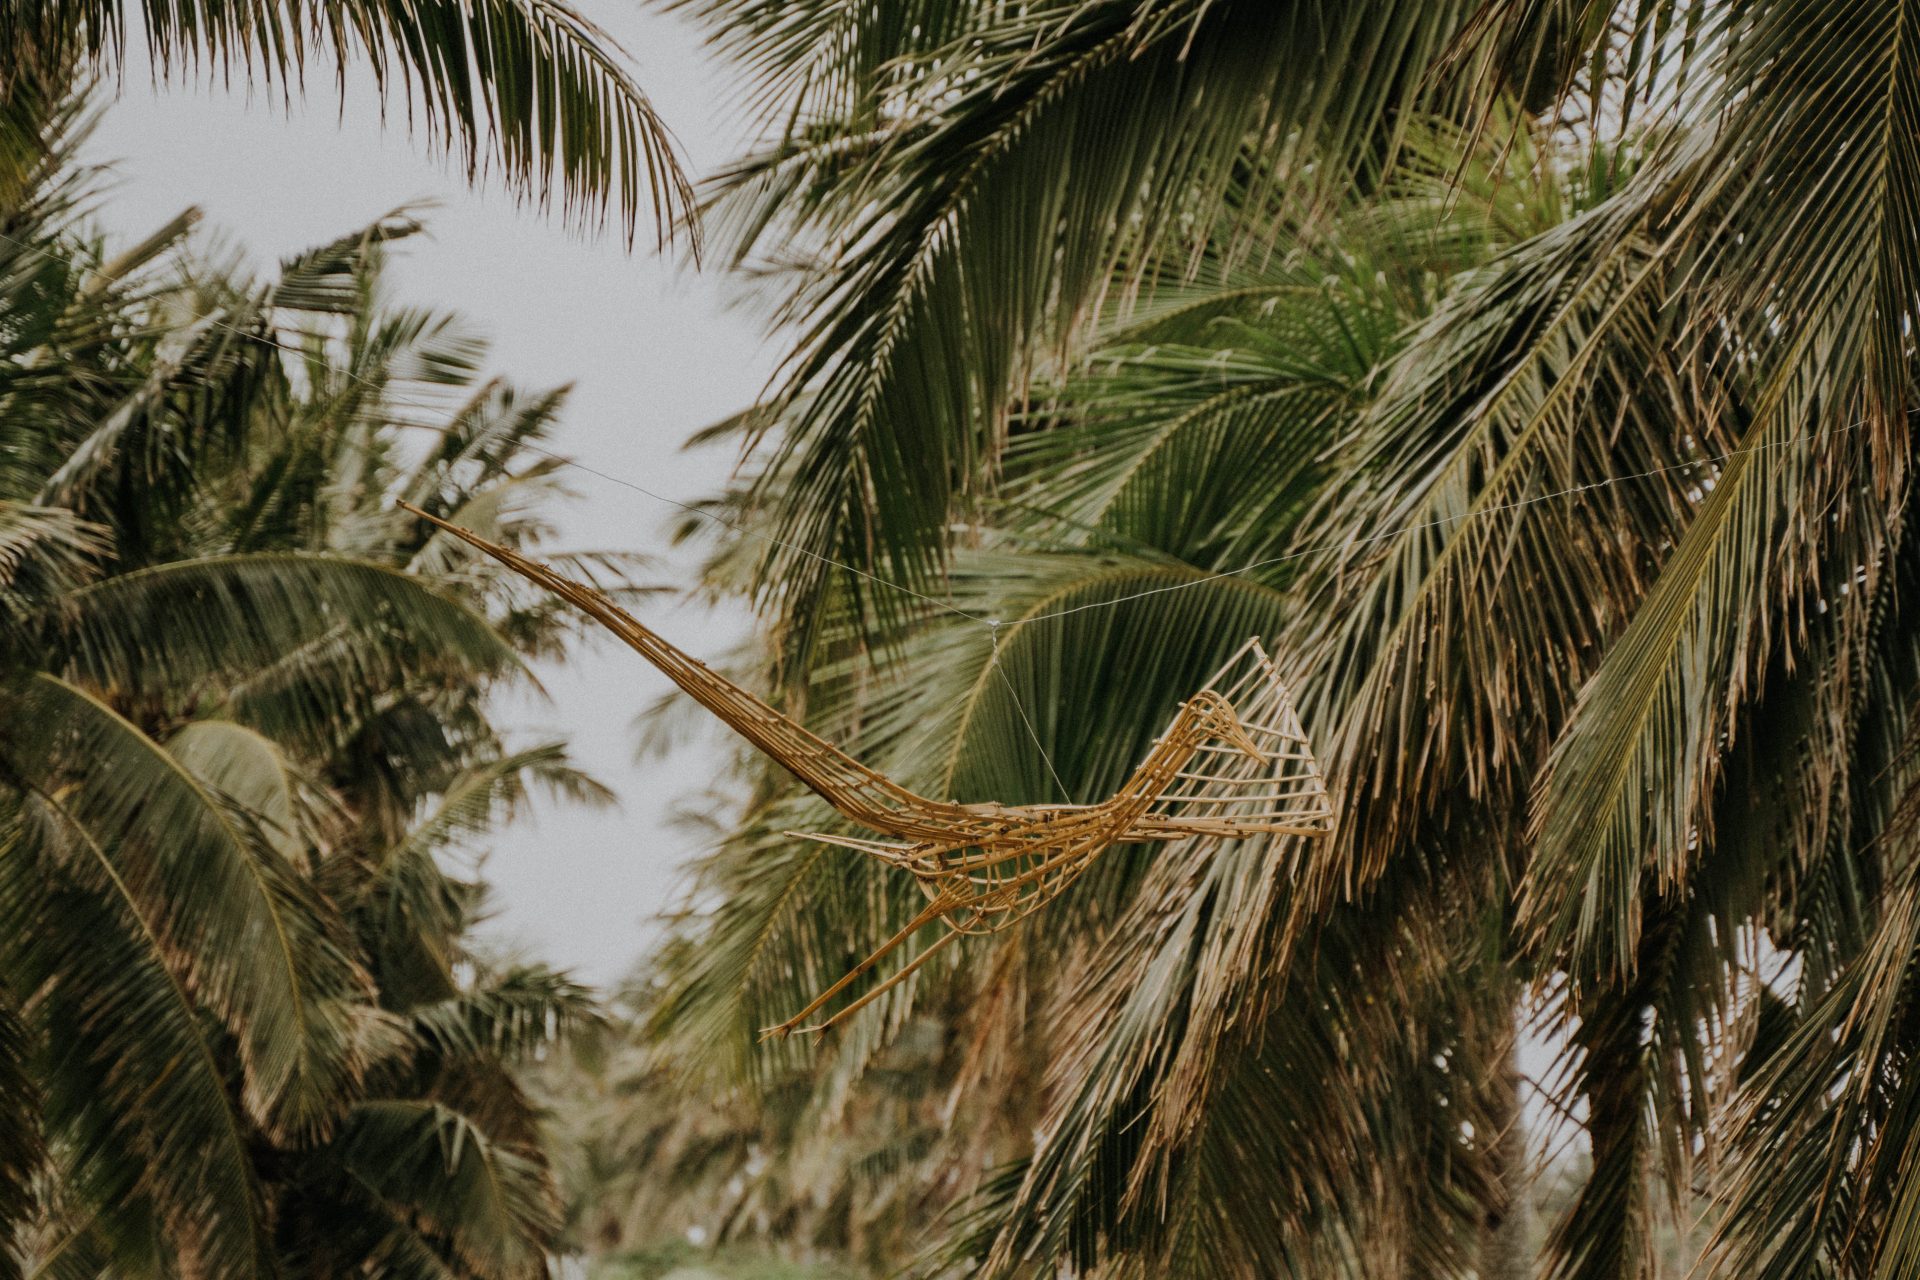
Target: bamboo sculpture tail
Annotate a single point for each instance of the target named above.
(1234, 764)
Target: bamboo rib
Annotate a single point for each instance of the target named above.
(984, 867)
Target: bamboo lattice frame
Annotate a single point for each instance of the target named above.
(1234, 764)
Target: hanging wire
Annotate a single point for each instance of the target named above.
(1349, 543)
(268, 339)
(994, 624)
(993, 662)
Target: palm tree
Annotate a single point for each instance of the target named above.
(967, 177)
(1592, 578)
(1193, 440)
(529, 89)
(245, 719)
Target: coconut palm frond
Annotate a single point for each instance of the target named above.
(530, 89)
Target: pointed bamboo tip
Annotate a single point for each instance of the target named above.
(788, 1029)
(504, 554)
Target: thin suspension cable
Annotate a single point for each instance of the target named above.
(742, 530)
(269, 339)
(993, 629)
(1299, 553)
(1349, 543)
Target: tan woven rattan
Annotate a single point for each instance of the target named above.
(1234, 763)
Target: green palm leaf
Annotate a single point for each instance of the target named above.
(412, 911)
(531, 87)
(1830, 262)
(22, 1150)
(138, 1091)
(237, 923)
(430, 1166)
(1084, 116)
(246, 768)
(513, 1016)
(224, 618)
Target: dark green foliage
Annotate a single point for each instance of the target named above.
(529, 90)
(1542, 376)
(243, 726)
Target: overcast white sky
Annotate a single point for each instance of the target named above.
(652, 350)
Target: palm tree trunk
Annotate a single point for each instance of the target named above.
(1506, 1240)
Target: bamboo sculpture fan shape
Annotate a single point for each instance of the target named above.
(1233, 764)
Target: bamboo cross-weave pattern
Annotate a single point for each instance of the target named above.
(1234, 764)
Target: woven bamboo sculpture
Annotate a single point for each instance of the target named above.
(1233, 764)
